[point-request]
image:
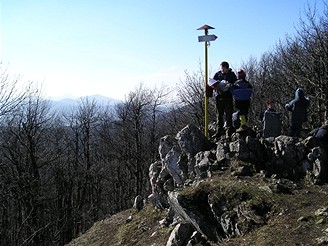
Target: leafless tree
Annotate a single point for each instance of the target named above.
(25, 156)
(191, 95)
(10, 93)
(304, 59)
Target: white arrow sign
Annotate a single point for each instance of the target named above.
(207, 38)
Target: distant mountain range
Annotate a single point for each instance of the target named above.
(66, 104)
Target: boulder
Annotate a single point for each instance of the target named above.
(138, 203)
(180, 235)
(199, 215)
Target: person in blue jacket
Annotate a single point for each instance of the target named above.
(298, 107)
(242, 92)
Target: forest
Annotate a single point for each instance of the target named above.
(61, 172)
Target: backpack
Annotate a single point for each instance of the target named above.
(271, 124)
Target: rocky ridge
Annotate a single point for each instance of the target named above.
(243, 190)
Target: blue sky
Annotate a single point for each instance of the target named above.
(108, 47)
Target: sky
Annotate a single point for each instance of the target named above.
(77, 48)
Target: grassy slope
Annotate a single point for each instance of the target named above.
(283, 226)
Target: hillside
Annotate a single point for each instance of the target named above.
(291, 219)
(238, 191)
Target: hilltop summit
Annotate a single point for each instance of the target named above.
(238, 191)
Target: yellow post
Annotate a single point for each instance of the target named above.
(205, 86)
(206, 38)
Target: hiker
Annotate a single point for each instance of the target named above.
(270, 107)
(224, 103)
(242, 92)
(298, 107)
(319, 154)
(321, 133)
(271, 120)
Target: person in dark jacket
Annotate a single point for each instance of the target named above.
(298, 106)
(271, 120)
(223, 97)
(321, 134)
(270, 108)
(242, 91)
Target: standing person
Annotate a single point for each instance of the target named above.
(223, 98)
(271, 120)
(242, 92)
(270, 108)
(321, 133)
(319, 155)
(298, 106)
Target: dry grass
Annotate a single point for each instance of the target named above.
(143, 229)
(283, 225)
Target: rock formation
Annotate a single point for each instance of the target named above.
(188, 158)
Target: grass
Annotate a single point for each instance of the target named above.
(280, 214)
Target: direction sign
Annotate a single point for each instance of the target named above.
(207, 38)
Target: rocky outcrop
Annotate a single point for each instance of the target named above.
(198, 215)
(188, 158)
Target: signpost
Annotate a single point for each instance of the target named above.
(206, 38)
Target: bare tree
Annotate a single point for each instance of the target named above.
(158, 108)
(83, 142)
(191, 95)
(138, 128)
(304, 58)
(25, 155)
(297, 61)
(10, 95)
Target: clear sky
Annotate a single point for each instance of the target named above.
(108, 47)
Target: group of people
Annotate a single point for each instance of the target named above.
(229, 91)
(233, 91)
(298, 108)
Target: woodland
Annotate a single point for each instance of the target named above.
(62, 172)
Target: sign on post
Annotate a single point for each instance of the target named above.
(207, 38)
